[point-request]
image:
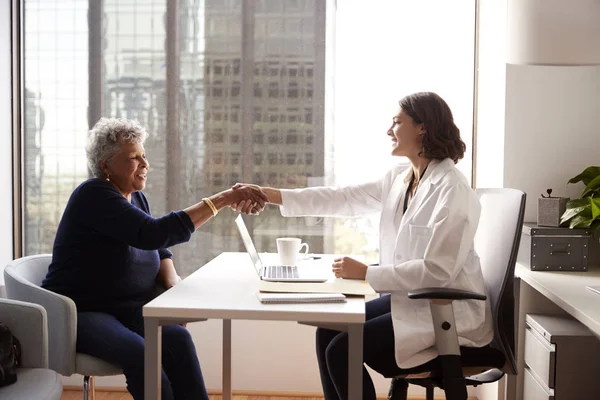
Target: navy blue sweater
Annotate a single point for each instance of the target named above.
(107, 250)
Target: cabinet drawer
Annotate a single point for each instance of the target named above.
(532, 390)
(540, 356)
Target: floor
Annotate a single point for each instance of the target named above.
(100, 395)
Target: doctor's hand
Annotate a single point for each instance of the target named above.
(248, 199)
(272, 195)
(349, 268)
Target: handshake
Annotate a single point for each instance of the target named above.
(251, 199)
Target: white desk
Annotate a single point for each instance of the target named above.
(555, 293)
(225, 288)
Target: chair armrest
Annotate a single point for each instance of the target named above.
(444, 325)
(62, 319)
(445, 294)
(28, 323)
(446, 336)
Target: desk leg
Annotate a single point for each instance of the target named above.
(355, 361)
(152, 358)
(226, 359)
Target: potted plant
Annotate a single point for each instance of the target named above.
(584, 212)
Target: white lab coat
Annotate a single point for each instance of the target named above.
(429, 246)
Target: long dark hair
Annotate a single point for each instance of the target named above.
(442, 137)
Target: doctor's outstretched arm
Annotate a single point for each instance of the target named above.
(323, 201)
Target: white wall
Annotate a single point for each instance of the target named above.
(552, 129)
(6, 239)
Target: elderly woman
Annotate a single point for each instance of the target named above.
(109, 253)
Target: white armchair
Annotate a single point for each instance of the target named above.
(23, 278)
(29, 324)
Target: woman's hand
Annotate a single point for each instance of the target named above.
(167, 275)
(249, 199)
(349, 268)
(171, 281)
(246, 206)
(273, 197)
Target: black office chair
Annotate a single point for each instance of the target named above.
(497, 243)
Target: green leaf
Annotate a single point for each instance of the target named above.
(586, 176)
(592, 186)
(595, 207)
(571, 212)
(575, 207)
(581, 221)
(576, 203)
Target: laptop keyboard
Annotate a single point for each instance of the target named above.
(281, 272)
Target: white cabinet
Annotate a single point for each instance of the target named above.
(533, 390)
(562, 359)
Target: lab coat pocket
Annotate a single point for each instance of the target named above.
(419, 237)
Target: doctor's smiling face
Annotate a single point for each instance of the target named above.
(405, 134)
(424, 129)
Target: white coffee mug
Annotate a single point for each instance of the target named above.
(289, 250)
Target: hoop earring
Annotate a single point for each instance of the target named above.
(107, 178)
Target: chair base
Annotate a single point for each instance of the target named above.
(89, 385)
(399, 390)
(399, 386)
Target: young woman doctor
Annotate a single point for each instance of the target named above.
(429, 215)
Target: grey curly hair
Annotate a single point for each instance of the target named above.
(106, 137)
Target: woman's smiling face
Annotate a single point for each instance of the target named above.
(128, 168)
(404, 132)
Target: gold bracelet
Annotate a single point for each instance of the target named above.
(211, 205)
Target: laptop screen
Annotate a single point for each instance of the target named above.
(239, 221)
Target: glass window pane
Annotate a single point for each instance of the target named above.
(258, 113)
(55, 129)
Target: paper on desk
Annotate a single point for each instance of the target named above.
(344, 286)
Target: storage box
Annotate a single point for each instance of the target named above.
(554, 249)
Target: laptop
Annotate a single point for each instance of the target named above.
(277, 273)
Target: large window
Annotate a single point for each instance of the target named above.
(286, 93)
(383, 51)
